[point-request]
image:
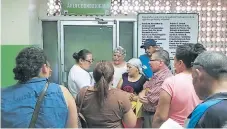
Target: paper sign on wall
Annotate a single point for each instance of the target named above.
(169, 30)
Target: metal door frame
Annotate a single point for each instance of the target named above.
(63, 76)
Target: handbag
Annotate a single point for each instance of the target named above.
(82, 123)
(37, 107)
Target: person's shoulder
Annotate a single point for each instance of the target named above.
(218, 109)
(63, 88)
(170, 78)
(144, 56)
(215, 116)
(6, 91)
(76, 68)
(181, 75)
(54, 87)
(118, 92)
(125, 74)
(167, 74)
(144, 77)
(78, 71)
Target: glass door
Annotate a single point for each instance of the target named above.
(100, 39)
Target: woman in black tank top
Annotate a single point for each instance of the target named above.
(132, 81)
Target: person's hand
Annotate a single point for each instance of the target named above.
(132, 96)
(142, 97)
(142, 94)
(135, 98)
(144, 100)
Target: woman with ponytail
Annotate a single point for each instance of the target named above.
(103, 106)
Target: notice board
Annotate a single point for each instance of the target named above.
(168, 29)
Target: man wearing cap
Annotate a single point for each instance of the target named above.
(150, 47)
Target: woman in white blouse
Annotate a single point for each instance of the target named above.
(120, 66)
(79, 76)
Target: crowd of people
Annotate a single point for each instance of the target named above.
(196, 92)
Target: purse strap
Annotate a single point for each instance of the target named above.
(37, 107)
(82, 100)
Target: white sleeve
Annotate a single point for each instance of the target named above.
(76, 80)
(72, 85)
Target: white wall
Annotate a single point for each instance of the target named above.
(20, 23)
(14, 22)
(34, 24)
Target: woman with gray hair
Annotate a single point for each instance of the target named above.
(119, 64)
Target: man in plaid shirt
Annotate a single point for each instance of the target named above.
(150, 95)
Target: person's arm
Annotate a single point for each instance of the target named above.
(130, 119)
(142, 97)
(162, 111)
(119, 85)
(72, 121)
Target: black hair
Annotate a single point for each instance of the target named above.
(103, 75)
(188, 53)
(81, 55)
(29, 61)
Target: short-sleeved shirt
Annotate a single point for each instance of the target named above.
(133, 87)
(146, 66)
(110, 115)
(216, 115)
(154, 85)
(77, 79)
(118, 71)
(183, 96)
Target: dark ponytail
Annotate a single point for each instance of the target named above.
(81, 55)
(188, 53)
(102, 87)
(103, 74)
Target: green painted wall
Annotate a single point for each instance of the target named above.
(8, 55)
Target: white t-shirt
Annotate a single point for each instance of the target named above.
(118, 71)
(77, 79)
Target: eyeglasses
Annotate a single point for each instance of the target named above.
(90, 61)
(155, 60)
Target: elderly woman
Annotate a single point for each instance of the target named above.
(119, 64)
